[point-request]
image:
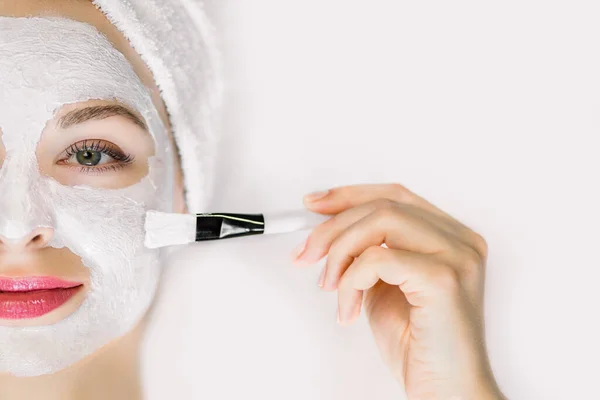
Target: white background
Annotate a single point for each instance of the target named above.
(487, 109)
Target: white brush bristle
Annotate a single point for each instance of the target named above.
(169, 229)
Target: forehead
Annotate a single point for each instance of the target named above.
(48, 62)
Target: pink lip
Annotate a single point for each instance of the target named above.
(29, 283)
(31, 297)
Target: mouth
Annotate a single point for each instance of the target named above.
(31, 297)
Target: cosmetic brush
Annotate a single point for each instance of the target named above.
(168, 229)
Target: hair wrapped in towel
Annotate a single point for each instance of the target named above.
(178, 43)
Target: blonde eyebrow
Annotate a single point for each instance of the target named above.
(82, 115)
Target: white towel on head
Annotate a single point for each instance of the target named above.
(178, 43)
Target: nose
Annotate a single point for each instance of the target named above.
(36, 239)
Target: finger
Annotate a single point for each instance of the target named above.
(395, 227)
(339, 199)
(350, 295)
(422, 278)
(349, 305)
(319, 240)
(344, 197)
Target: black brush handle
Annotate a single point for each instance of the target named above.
(227, 225)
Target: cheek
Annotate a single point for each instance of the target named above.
(103, 227)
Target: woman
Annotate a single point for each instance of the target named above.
(87, 148)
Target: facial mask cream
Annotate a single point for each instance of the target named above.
(46, 63)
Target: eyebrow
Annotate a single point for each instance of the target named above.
(82, 115)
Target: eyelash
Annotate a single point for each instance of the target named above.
(122, 159)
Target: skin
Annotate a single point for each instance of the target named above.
(423, 294)
(111, 372)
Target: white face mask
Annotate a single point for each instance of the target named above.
(46, 63)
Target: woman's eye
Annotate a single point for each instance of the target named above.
(95, 155)
(91, 158)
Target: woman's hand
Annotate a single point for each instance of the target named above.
(423, 292)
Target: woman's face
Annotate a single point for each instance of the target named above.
(85, 151)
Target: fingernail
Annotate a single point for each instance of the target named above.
(316, 195)
(338, 315)
(298, 250)
(322, 278)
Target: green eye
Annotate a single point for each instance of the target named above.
(95, 155)
(89, 158)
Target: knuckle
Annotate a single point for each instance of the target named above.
(481, 245)
(445, 278)
(383, 217)
(404, 195)
(326, 230)
(386, 209)
(472, 262)
(336, 246)
(384, 204)
(341, 243)
(373, 254)
(399, 189)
